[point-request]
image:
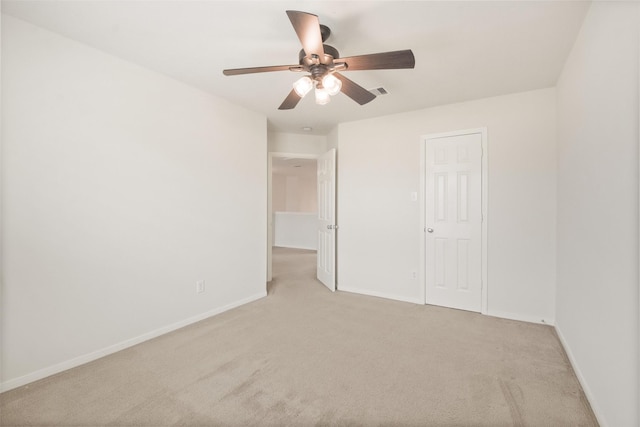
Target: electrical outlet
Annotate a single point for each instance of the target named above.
(414, 275)
(200, 286)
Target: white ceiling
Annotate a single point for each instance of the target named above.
(294, 166)
(464, 50)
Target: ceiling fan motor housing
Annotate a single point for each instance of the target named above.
(318, 71)
(328, 50)
(325, 32)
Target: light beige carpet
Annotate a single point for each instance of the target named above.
(306, 356)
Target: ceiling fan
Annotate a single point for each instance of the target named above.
(323, 64)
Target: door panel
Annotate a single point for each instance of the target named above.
(454, 221)
(326, 219)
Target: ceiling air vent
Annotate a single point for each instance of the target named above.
(379, 91)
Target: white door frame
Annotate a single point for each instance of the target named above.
(270, 202)
(639, 200)
(423, 211)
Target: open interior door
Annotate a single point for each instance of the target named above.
(326, 219)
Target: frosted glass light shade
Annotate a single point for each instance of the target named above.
(331, 84)
(322, 96)
(303, 86)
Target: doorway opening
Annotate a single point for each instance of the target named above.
(292, 205)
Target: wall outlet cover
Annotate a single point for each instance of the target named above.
(200, 286)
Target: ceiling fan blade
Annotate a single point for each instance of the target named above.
(251, 70)
(354, 90)
(307, 28)
(381, 61)
(290, 101)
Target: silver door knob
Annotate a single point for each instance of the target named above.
(430, 230)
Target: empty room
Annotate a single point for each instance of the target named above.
(221, 213)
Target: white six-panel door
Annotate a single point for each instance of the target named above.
(453, 206)
(326, 219)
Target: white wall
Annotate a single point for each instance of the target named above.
(597, 284)
(295, 230)
(332, 139)
(295, 207)
(295, 192)
(303, 195)
(380, 234)
(116, 201)
(282, 142)
(278, 192)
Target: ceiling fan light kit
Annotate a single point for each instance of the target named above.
(322, 96)
(323, 62)
(303, 86)
(331, 84)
